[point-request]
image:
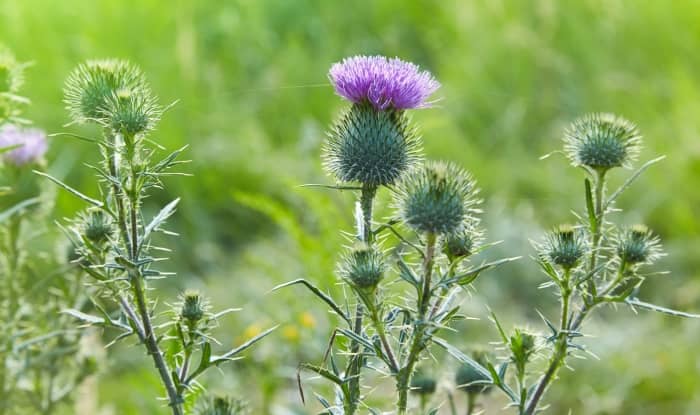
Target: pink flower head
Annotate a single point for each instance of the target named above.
(31, 144)
(384, 83)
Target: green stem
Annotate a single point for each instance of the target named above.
(471, 403)
(560, 348)
(381, 331)
(367, 195)
(403, 377)
(599, 222)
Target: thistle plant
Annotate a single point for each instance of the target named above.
(114, 238)
(375, 146)
(590, 264)
(41, 358)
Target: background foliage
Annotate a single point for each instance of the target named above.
(254, 104)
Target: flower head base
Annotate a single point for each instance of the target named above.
(363, 267)
(638, 245)
(423, 384)
(601, 142)
(30, 144)
(436, 198)
(384, 83)
(370, 147)
(462, 243)
(97, 226)
(470, 380)
(92, 85)
(564, 246)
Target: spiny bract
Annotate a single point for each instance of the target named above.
(638, 245)
(436, 198)
(362, 267)
(371, 147)
(602, 141)
(91, 86)
(563, 246)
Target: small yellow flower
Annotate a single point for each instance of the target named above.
(252, 331)
(307, 320)
(290, 332)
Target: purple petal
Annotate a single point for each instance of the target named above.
(385, 83)
(32, 144)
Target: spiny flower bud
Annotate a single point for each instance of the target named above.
(602, 141)
(462, 243)
(132, 112)
(92, 85)
(363, 267)
(423, 384)
(371, 147)
(97, 226)
(467, 376)
(193, 306)
(564, 246)
(522, 346)
(638, 245)
(222, 405)
(436, 198)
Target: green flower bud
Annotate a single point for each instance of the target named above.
(371, 147)
(423, 384)
(436, 198)
(97, 226)
(522, 346)
(602, 141)
(132, 112)
(462, 243)
(564, 246)
(92, 85)
(193, 307)
(222, 405)
(363, 267)
(638, 245)
(467, 375)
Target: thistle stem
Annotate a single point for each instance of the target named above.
(364, 226)
(403, 377)
(471, 400)
(599, 221)
(560, 348)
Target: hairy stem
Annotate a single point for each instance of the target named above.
(403, 378)
(599, 222)
(364, 226)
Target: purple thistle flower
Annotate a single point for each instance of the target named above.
(32, 144)
(385, 83)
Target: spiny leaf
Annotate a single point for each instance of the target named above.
(653, 307)
(76, 193)
(630, 180)
(161, 217)
(320, 294)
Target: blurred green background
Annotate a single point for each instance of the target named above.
(254, 104)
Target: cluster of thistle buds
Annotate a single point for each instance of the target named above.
(113, 238)
(374, 146)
